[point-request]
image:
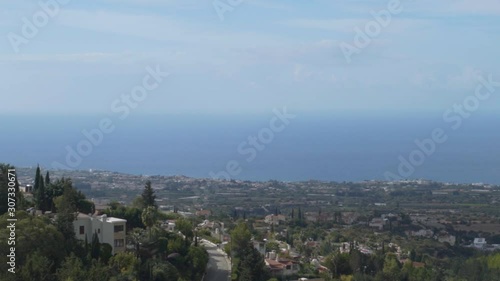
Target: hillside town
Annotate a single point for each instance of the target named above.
(300, 230)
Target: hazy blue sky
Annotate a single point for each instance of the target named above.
(264, 54)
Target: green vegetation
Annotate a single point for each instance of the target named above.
(323, 227)
(47, 249)
(148, 196)
(248, 264)
(20, 202)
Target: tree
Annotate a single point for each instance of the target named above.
(95, 247)
(73, 197)
(338, 264)
(272, 246)
(138, 202)
(136, 236)
(186, 228)
(356, 260)
(148, 195)
(391, 268)
(240, 239)
(98, 271)
(47, 179)
(248, 262)
(164, 271)
(413, 255)
(37, 179)
(106, 253)
(72, 269)
(39, 236)
(66, 209)
(177, 245)
(131, 214)
(198, 259)
(149, 217)
(40, 196)
(4, 188)
(37, 267)
(252, 266)
(124, 265)
(52, 191)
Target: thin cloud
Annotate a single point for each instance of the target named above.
(399, 25)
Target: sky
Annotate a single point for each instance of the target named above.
(246, 56)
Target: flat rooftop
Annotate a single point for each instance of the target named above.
(112, 220)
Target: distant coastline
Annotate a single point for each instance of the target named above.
(328, 148)
(27, 172)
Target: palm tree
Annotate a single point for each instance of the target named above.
(149, 217)
(135, 236)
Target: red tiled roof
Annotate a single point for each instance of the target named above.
(418, 264)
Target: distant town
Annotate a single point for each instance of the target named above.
(308, 229)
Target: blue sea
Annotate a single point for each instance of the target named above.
(321, 146)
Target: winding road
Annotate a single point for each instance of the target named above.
(218, 268)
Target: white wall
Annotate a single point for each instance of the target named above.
(104, 227)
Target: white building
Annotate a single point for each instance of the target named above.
(450, 239)
(377, 223)
(479, 243)
(168, 225)
(109, 230)
(274, 219)
(421, 233)
(280, 267)
(26, 189)
(260, 247)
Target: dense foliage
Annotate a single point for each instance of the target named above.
(47, 250)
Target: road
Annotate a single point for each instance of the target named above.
(218, 268)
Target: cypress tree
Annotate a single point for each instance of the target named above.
(148, 195)
(47, 179)
(95, 247)
(66, 214)
(40, 195)
(86, 245)
(37, 179)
